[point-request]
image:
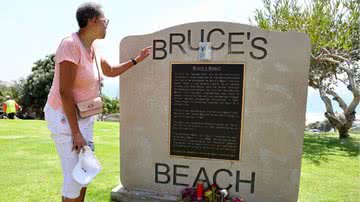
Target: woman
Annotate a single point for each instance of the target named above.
(77, 79)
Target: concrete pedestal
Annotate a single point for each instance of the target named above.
(122, 194)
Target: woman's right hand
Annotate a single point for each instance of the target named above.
(143, 54)
(78, 142)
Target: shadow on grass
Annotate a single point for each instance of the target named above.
(318, 147)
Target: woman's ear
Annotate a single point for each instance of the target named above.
(92, 20)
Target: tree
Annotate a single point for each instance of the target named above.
(110, 105)
(8, 90)
(37, 85)
(13, 89)
(333, 27)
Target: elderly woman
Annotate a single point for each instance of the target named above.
(77, 79)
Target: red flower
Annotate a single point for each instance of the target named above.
(199, 191)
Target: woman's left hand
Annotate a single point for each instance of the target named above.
(143, 54)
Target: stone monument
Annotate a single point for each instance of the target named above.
(218, 102)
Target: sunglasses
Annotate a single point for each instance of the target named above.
(105, 20)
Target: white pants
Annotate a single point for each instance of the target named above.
(61, 134)
(68, 158)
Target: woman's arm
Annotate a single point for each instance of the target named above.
(116, 70)
(67, 77)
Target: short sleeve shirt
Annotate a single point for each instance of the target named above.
(86, 87)
(86, 84)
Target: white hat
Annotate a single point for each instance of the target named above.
(87, 167)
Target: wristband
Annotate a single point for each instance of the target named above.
(133, 61)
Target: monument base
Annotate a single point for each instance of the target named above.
(122, 194)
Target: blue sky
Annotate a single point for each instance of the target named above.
(33, 29)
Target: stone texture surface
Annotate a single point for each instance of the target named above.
(122, 194)
(274, 113)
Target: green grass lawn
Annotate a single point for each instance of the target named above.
(330, 169)
(30, 168)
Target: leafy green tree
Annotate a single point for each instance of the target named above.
(333, 27)
(4, 91)
(110, 105)
(14, 91)
(37, 85)
(35, 88)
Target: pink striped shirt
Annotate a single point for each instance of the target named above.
(86, 84)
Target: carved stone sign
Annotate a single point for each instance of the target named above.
(236, 120)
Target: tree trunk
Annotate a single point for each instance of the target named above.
(342, 124)
(343, 132)
(349, 66)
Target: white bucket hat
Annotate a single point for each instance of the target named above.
(87, 167)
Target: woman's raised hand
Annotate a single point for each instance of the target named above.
(143, 54)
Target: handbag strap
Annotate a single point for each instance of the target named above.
(100, 80)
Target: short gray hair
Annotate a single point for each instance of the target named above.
(87, 11)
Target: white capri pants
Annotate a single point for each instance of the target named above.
(61, 135)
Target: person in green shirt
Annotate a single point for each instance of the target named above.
(10, 107)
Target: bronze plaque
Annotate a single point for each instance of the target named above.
(206, 110)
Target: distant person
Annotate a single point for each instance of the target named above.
(77, 79)
(10, 107)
